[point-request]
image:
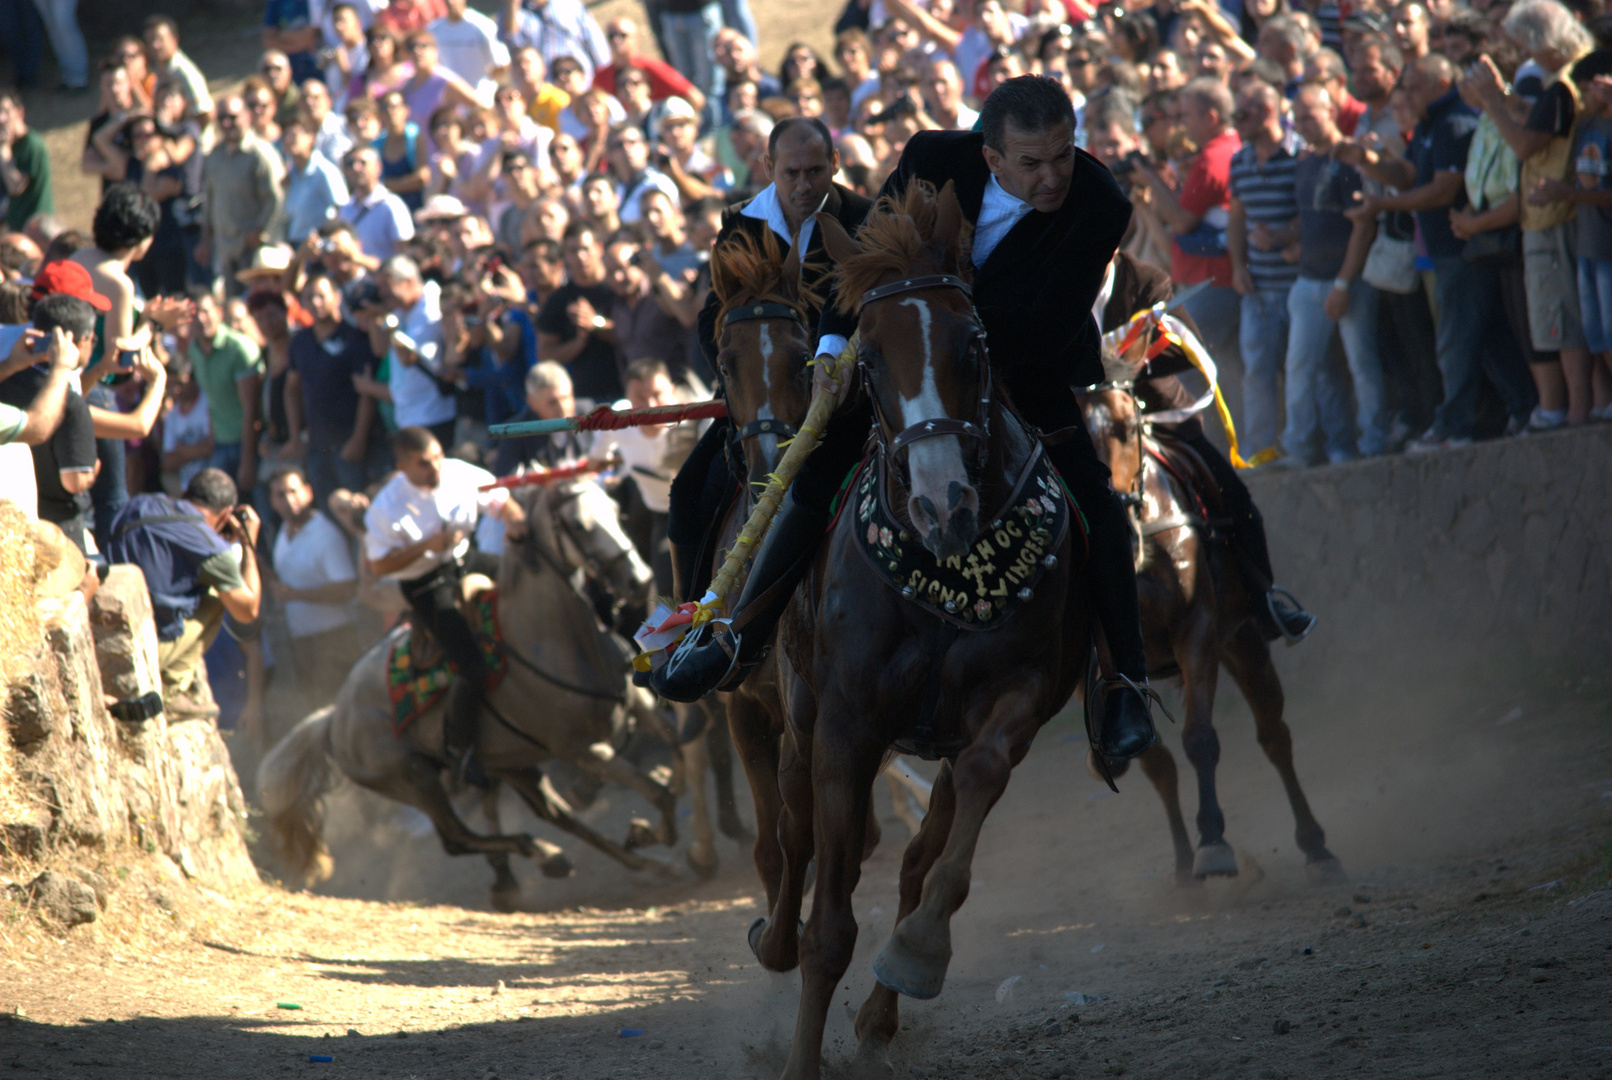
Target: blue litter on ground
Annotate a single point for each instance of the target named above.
(320, 1057)
(631, 1033)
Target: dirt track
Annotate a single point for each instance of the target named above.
(1477, 940)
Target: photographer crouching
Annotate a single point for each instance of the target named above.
(198, 554)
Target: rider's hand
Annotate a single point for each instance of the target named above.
(823, 381)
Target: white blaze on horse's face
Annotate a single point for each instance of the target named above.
(767, 440)
(937, 479)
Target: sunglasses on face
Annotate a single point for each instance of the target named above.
(618, 35)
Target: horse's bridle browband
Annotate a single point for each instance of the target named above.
(749, 312)
(932, 429)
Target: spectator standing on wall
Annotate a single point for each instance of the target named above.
(66, 41)
(229, 369)
(411, 339)
(1263, 224)
(666, 80)
(555, 28)
(573, 327)
(24, 165)
(1199, 214)
(1329, 295)
(330, 130)
(241, 178)
(314, 189)
(314, 577)
(548, 397)
(199, 558)
(169, 62)
(187, 431)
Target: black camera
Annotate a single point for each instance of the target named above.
(902, 107)
(1126, 166)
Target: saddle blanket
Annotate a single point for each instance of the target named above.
(980, 590)
(413, 690)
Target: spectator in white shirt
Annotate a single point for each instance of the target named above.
(468, 45)
(316, 581)
(377, 216)
(187, 428)
(168, 61)
(330, 127)
(413, 334)
(652, 456)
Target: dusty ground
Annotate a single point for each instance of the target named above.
(1474, 941)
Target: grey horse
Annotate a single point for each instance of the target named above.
(562, 697)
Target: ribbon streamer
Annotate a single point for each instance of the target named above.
(604, 418)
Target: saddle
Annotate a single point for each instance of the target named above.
(1187, 468)
(418, 673)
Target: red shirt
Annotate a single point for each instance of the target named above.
(664, 80)
(1208, 185)
(406, 16)
(1350, 110)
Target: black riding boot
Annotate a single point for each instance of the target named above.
(1124, 725)
(718, 656)
(1277, 611)
(459, 730)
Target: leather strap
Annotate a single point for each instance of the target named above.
(749, 312)
(766, 426)
(934, 429)
(906, 285)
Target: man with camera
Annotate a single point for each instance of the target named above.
(198, 555)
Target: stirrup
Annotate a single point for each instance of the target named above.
(1144, 691)
(1273, 596)
(1096, 693)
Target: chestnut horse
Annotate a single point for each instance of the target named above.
(1193, 621)
(763, 346)
(877, 671)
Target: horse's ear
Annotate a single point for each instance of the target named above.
(948, 223)
(836, 241)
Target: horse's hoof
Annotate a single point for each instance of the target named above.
(639, 835)
(556, 866)
(1215, 860)
(507, 901)
(1326, 870)
(872, 1061)
(753, 935)
(705, 865)
(912, 974)
(758, 930)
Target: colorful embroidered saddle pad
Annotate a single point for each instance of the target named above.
(413, 690)
(980, 590)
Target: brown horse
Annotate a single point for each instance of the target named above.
(1193, 621)
(880, 669)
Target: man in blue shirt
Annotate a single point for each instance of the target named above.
(555, 28)
(314, 189)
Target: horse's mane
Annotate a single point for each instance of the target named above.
(892, 238)
(747, 271)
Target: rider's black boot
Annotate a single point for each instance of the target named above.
(719, 655)
(459, 732)
(1279, 613)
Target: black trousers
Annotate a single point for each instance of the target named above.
(434, 599)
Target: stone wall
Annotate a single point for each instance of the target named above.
(89, 781)
(1490, 565)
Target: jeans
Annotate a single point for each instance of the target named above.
(1463, 291)
(736, 15)
(1264, 331)
(227, 456)
(1405, 339)
(1315, 397)
(66, 40)
(1595, 296)
(688, 40)
(23, 36)
(328, 470)
(1215, 311)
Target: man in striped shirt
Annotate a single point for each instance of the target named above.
(1263, 226)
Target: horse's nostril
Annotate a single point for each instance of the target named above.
(927, 507)
(955, 495)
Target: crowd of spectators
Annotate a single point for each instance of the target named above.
(1395, 223)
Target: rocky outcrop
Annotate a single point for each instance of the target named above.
(85, 780)
(1490, 564)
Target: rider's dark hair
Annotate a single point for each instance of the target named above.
(792, 123)
(412, 440)
(1031, 103)
(212, 489)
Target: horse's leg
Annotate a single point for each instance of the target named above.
(603, 762)
(719, 748)
(1198, 655)
(757, 740)
(419, 784)
(1248, 659)
(506, 890)
(879, 1019)
(536, 791)
(653, 722)
(701, 854)
(777, 943)
(909, 794)
(847, 764)
(914, 960)
(1159, 765)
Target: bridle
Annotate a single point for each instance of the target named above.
(1131, 499)
(561, 535)
(934, 429)
(767, 425)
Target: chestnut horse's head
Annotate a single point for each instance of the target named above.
(922, 348)
(763, 344)
(1113, 417)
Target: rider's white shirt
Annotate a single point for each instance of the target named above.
(999, 212)
(403, 514)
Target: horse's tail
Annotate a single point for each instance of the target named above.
(292, 782)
